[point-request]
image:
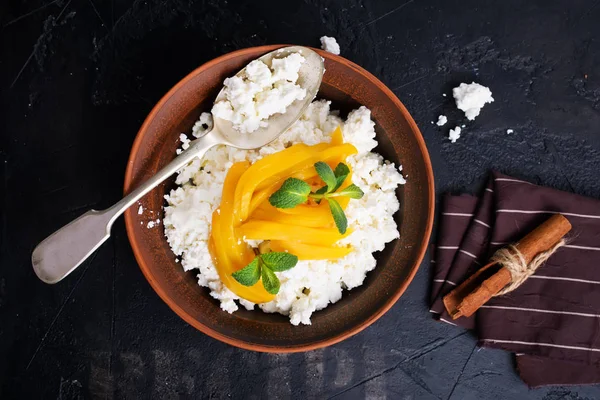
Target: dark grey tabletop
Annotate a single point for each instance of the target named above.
(79, 77)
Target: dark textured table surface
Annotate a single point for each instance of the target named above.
(78, 78)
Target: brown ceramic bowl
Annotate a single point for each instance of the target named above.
(400, 141)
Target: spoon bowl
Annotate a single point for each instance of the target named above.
(309, 78)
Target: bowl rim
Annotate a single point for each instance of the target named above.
(253, 346)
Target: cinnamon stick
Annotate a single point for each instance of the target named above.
(466, 298)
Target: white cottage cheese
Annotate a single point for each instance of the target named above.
(454, 134)
(330, 44)
(441, 120)
(264, 91)
(188, 215)
(471, 98)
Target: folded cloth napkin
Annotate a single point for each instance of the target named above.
(552, 321)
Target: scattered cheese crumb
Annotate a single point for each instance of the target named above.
(185, 143)
(402, 180)
(454, 134)
(462, 126)
(441, 120)
(509, 131)
(471, 98)
(152, 224)
(140, 210)
(330, 44)
(444, 94)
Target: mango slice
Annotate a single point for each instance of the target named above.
(337, 137)
(228, 251)
(310, 252)
(268, 230)
(315, 217)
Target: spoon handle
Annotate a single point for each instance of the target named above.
(63, 251)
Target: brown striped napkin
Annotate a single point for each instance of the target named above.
(552, 321)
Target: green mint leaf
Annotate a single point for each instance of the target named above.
(351, 191)
(340, 180)
(338, 215)
(248, 275)
(279, 261)
(270, 280)
(326, 173)
(341, 169)
(323, 190)
(293, 192)
(341, 173)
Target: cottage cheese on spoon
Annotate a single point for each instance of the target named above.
(263, 92)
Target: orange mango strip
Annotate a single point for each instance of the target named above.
(320, 152)
(322, 209)
(337, 137)
(310, 252)
(237, 249)
(228, 251)
(268, 230)
(257, 293)
(289, 170)
(312, 219)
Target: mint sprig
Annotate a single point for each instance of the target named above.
(294, 192)
(264, 266)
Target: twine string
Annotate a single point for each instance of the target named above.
(511, 258)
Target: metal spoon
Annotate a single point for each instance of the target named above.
(63, 251)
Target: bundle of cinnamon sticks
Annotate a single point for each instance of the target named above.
(488, 281)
